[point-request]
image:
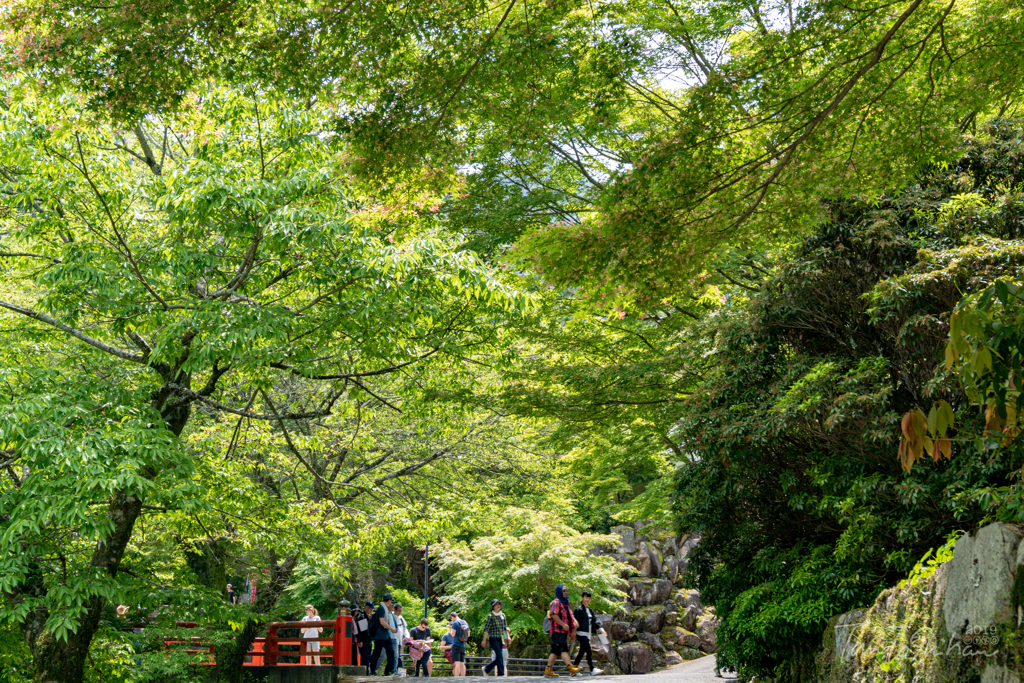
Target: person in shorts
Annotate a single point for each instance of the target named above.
(309, 633)
(458, 648)
(561, 630)
(447, 641)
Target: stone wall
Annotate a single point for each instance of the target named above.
(960, 625)
(660, 623)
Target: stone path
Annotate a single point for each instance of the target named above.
(695, 671)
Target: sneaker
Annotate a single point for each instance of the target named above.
(597, 672)
(483, 671)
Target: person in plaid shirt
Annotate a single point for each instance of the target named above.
(563, 629)
(496, 638)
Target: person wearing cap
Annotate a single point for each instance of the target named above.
(458, 648)
(588, 627)
(362, 644)
(496, 636)
(382, 642)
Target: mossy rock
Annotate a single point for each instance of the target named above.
(688, 653)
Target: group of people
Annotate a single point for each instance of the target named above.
(383, 632)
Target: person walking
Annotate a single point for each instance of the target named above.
(460, 634)
(496, 628)
(232, 595)
(399, 639)
(504, 652)
(421, 640)
(562, 629)
(362, 640)
(588, 628)
(384, 621)
(309, 633)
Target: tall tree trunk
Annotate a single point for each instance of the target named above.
(230, 662)
(63, 661)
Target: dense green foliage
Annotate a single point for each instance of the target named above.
(521, 562)
(288, 289)
(804, 507)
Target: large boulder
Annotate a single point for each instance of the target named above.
(648, 619)
(672, 658)
(688, 598)
(670, 547)
(621, 631)
(650, 563)
(980, 579)
(627, 539)
(662, 591)
(689, 653)
(646, 592)
(707, 626)
(671, 618)
(635, 658)
(671, 569)
(688, 620)
(674, 637)
(653, 641)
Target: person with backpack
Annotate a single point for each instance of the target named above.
(589, 627)
(562, 629)
(460, 633)
(382, 626)
(496, 629)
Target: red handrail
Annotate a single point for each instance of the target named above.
(267, 652)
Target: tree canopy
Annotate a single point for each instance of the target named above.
(289, 289)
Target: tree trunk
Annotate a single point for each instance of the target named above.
(230, 662)
(63, 661)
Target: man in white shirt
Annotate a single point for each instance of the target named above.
(399, 637)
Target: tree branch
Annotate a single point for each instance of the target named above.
(42, 317)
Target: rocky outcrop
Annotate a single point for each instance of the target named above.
(957, 624)
(707, 625)
(981, 576)
(659, 613)
(645, 592)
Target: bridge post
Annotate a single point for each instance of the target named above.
(344, 632)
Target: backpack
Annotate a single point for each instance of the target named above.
(546, 624)
(463, 632)
(374, 624)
